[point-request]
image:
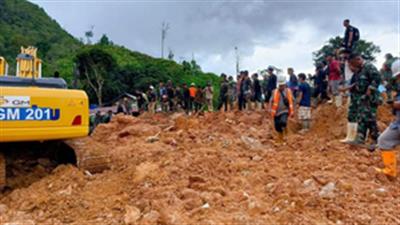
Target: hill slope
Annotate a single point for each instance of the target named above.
(23, 23)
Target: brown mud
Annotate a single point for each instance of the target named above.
(220, 168)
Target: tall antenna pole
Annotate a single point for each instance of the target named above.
(164, 29)
(237, 60)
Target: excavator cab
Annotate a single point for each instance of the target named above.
(28, 64)
(3, 67)
(33, 108)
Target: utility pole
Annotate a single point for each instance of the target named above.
(237, 60)
(164, 29)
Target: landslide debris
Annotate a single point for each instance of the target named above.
(220, 168)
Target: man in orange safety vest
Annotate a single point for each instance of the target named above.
(281, 107)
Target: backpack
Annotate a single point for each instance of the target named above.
(356, 34)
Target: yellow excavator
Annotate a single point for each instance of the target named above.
(33, 108)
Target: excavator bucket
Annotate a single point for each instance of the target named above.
(90, 155)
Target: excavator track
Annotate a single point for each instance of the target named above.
(90, 155)
(2, 171)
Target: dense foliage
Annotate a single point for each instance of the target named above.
(136, 71)
(23, 23)
(365, 48)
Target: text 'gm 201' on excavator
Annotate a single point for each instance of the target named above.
(35, 109)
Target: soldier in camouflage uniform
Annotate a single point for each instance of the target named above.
(386, 72)
(368, 110)
(353, 110)
(366, 86)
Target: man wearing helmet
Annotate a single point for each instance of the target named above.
(390, 138)
(281, 106)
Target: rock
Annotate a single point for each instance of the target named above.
(205, 206)
(328, 191)
(339, 222)
(132, 215)
(152, 139)
(229, 121)
(309, 186)
(251, 142)
(87, 173)
(151, 217)
(270, 187)
(308, 183)
(67, 191)
(257, 158)
(170, 128)
(381, 192)
(254, 205)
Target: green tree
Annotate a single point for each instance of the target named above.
(195, 67)
(104, 40)
(170, 55)
(95, 68)
(367, 49)
(89, 35)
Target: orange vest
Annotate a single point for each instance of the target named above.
(276, 98)
(192, 92)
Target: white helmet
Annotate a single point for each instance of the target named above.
(281, 80)
(396, 67)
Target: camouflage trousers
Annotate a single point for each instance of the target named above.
(367, 121)
(354, 110)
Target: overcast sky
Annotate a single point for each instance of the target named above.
(281, 33)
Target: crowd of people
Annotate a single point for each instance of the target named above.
(343, 74)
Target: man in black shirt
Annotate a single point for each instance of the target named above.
(351, 36)
(171, 95)
(272, 82)
(223, 93)
(257, 94)
(320, 83)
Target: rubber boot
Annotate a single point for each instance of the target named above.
(305, 125)
(353, 131)
(390, 162)
(349, 126)
(338, 101)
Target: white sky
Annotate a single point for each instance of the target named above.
(279, 33)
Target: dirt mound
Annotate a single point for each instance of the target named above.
(220, 168)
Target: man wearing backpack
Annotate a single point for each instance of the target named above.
(351, 36)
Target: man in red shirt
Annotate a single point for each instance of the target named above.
(334, 78)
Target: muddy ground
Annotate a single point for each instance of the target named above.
(220, 168)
